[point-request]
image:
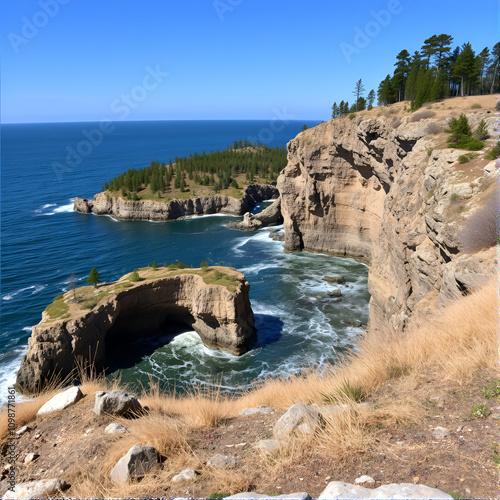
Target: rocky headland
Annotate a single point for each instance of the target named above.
(214, 302)
(388, 191)
(123, 209)
(270, 216)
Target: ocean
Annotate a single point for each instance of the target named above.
(43, 242)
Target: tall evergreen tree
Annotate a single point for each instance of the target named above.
(371, 98)
(94, 277)
(484, 58)
(465, 66)
(494, 67)
(401, 72)
(359, 90)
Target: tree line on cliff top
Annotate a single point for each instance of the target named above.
(434, 72)
(217, 169)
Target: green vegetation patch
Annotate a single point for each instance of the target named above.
(346, 391)
(480, 411)
(462, 136)
(492, 390)
(58, 308)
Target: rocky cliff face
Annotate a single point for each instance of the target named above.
(363, 189)
(119, 208)
(222, 318)
(270, 216)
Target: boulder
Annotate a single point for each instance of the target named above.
(268, 217)
(222, 461)
(37, 489)
(268, 446)
(258, 409)
(364, 480)
(115, 428)
(185, 475)
(337, 280)
(338, 489)
(22, 430)
(299, 419)
(136, 463)
(116, 403)
(335, 293)
(61, 401)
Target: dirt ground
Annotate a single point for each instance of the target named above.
(461, 464)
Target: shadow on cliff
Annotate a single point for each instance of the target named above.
(269, 330)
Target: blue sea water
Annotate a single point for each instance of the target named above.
(43, 242)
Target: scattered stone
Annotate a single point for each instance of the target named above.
(185, 475)
(136, 463)
(115, 428)
(88, 431)
(299, 419)
(335, 293)
(334, 279)
(30, 457)
(37, 489)
(266, 445)
(117, 403)
(352, 322)
(338, 489)
(38, 435)
(440, 432)
(252, 495)
(258, 409)
(400, 443)
(222, 461)
(364, 480)
(61, 401)
(22, 430)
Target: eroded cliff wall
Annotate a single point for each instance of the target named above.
(390, 194)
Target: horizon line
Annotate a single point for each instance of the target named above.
(161, 120)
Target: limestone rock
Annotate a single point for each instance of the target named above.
(115, 428)
(335, 293)
(185, 475)
(440, 432)
(116, 403)
(268, 217)
(220, 460)
(222, 318)
(136, 463)
(256, 496)
(61, 401)
(299, 419)
(267, 446)
(338, 489)
(37, 489)
(364, 480)
(119, 208)
(258, 409)
(22, 430)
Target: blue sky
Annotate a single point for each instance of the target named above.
(86, 60)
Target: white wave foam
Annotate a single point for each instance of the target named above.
(35, 288)
(27, 329)
(10, 363)
(192, 217)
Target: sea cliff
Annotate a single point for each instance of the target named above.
(393, 195)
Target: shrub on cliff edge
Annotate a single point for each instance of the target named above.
(481, 228)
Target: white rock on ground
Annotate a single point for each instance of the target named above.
(251, 495)
(440, 432)
(61, 401)
(30, 457)
(338, 489)
(364, 480)
(222, 461)
(115, 428)
(266, 445)
(258, 409)
(299, 419)
(22, 430)
(185, 475)
(37, 489)
(116, 403)
(136, 463)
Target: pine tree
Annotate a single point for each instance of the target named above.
(465, 66)
(494, 67)
(359, 90)
(134, 276)
(371, 98)
(94, 277)
(484, 58)
(401, 72)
